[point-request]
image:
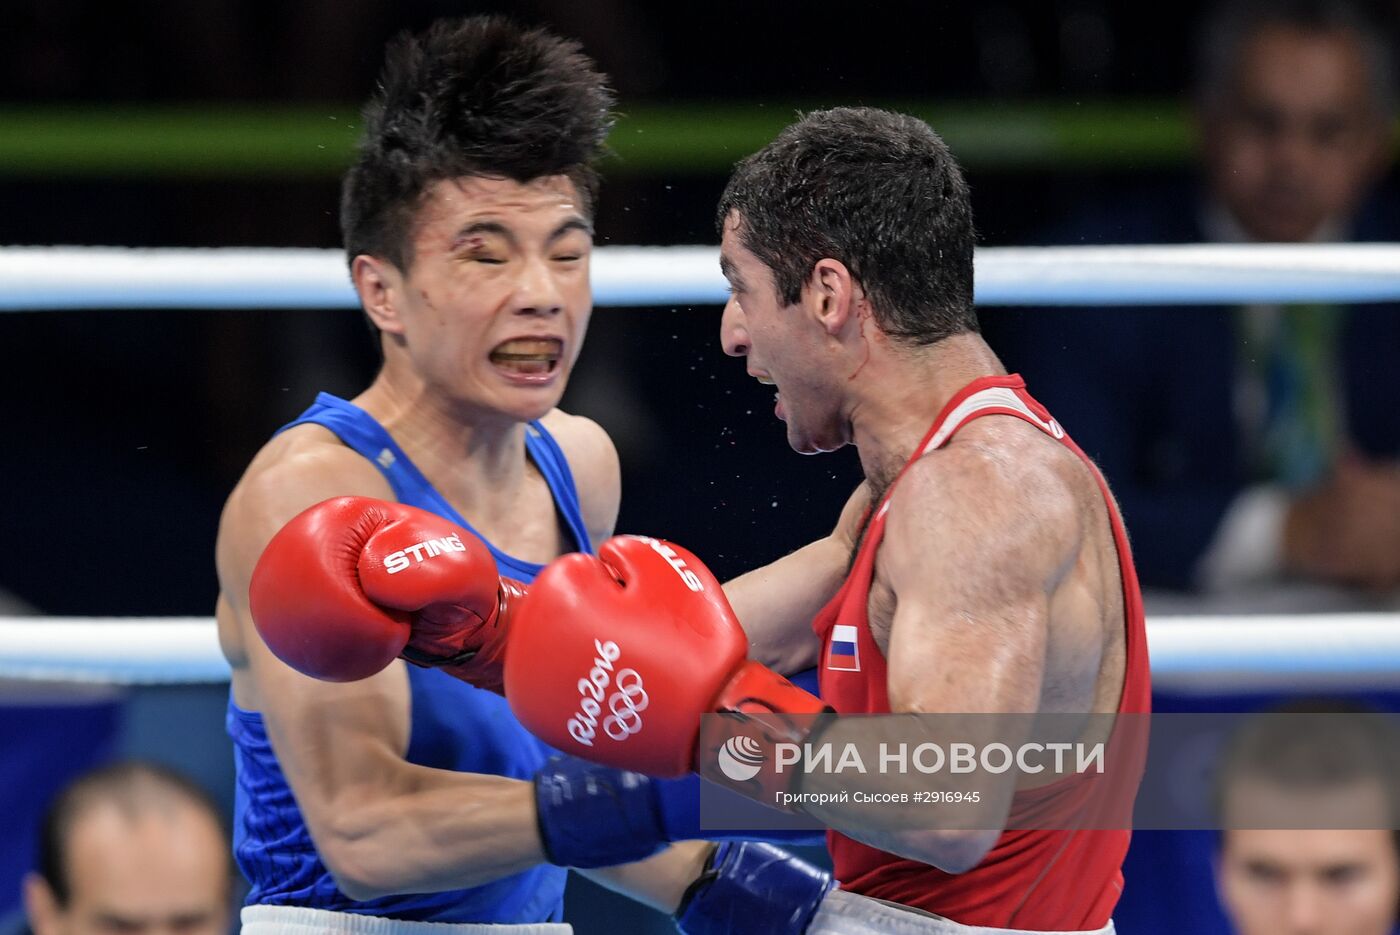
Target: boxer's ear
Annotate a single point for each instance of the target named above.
(833, 293)
(380, 285)
(41, 906)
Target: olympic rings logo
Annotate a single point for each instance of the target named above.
(626, 706)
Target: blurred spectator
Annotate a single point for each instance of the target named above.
(1299, 772)
(135, 849)
(1248, 445)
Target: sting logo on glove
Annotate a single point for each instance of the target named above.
(691, 579)
(396, 562)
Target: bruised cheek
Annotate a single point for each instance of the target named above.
(431, 310)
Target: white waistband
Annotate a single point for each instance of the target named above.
(299, 920)
(843, 913)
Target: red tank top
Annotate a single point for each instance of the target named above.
(1040, 880)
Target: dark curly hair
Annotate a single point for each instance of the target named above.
(878, 191)
(479, 96)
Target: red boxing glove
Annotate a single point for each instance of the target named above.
(616, 658)
(353, 582)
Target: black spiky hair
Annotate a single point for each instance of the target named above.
(479, 96)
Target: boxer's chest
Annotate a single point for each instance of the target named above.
(524, 522)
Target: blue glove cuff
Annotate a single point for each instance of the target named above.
(753, 888)
(594, 816)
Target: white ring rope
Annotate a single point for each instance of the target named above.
(1197, 654)
(40, 278)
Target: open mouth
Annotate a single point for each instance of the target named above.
(767, 380)
(529, 356)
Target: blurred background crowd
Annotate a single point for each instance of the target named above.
(1255, 450)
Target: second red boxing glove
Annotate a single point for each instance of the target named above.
(616, 658)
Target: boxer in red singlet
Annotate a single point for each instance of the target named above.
(993, 572)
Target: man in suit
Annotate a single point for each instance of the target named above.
(1258, 444)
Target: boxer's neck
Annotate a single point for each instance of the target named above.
(458, 451)
(900, 395)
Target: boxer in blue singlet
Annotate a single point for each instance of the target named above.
(453, 726)
(410, 797)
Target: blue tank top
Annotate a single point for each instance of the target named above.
(452, 726)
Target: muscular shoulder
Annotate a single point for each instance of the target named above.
(594, 463)
(1003, 496)
(295, 470)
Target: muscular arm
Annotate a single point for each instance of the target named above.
(973, 557)
(381, 824)
(972, 554)
(776, 603)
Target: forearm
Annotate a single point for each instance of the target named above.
(659, 881)
(949, 851)
(776, 603)
(944, 818)
(437, 830)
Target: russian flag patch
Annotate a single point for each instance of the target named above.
(844, 653)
